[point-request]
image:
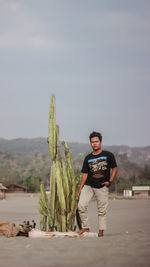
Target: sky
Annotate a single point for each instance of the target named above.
(94, 55)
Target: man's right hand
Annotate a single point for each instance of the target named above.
(79, 192)
(84, 177)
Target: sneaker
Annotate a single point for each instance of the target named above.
(100, 233)
(80, 232)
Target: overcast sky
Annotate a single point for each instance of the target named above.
(93, 55)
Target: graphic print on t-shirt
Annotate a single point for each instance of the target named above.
(97, 166)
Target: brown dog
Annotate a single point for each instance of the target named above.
(8, 229)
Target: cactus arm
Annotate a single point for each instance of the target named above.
(43, 223)
(51, 219)
(43, 208)
(61, 196)
(52, 129)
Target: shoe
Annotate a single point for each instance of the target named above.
(80, 232)
(100, 233)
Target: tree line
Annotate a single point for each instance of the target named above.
(32, 170)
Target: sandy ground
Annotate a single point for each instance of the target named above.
(126, 242)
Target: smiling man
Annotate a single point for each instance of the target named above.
(99, 170)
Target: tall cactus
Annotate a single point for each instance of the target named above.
(59, 210)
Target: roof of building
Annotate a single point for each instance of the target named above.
(2, 187)
(140, 188)
(17, 185)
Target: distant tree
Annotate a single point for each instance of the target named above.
(119, 184)
(145, 173)
(33, 183)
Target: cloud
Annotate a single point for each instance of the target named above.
(29, 41)
(20, 29)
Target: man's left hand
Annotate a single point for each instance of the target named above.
(107, 184)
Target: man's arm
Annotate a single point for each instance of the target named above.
(113, 174)
(84, 177)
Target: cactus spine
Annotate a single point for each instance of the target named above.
(59, 210)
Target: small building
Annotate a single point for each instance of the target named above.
(3, 190)
(16, 188)
(141, 190)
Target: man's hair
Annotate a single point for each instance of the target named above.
(95, 134)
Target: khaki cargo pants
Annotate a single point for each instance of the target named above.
(101, 195)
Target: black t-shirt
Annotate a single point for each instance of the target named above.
(98, 168)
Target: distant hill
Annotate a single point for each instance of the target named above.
(24, 145)
(139, 155)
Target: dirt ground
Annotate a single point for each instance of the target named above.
(126, 242)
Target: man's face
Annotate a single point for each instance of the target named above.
(95, 143)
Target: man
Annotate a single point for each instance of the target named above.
(99, 170)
